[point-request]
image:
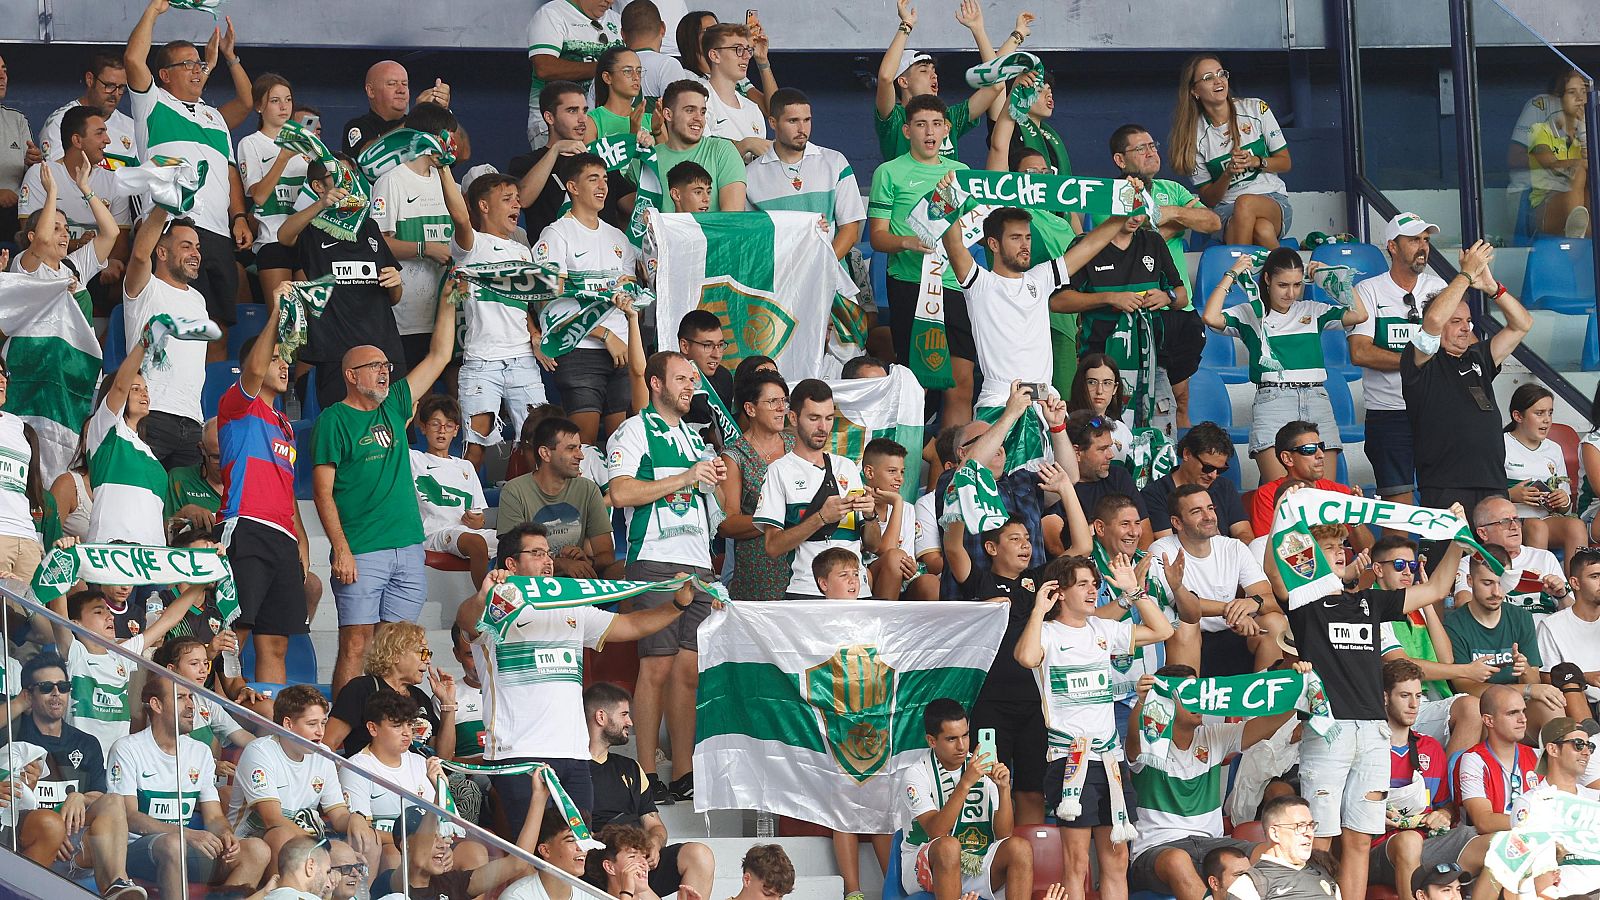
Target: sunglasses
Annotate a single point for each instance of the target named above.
(1309, 449)
(1579, 744)
(1209, 469)
(358, 870)
(1401, 565)
(52, 687)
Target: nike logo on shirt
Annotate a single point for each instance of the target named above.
(579, 253)
(334, 244)
(412, 199)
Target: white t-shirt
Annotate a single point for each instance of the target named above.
(303, 789)
(122, 151)
(560, 29)
(257, 153)
(495, 330)
(1563, 637)
(1545, 464)
(928, 538)
(212, 720)
(129, 483)
(734, 121)
(661, 69)
(166, 126)
(595, 256)
(1229, 568)
(786, 492)
(526, 888)
(175, 388)
(924, 790)
(16, 519)
(410, 208)
(1258, 133)
(168, 787)
(1530, 564)
(1075, 680)
(69, 200)
(1390, 326)
(379, 804)
(675, 528)
(100, 691)
(1191, 805)
(533, 682)
(1011, 326)
(447, 486)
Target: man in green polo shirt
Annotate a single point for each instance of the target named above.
(362, 488)
(683, 112)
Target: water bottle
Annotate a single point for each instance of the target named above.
(766, 825)
(230, 663)
(153, 608)
(707, 455)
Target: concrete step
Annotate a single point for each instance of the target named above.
(684, 824)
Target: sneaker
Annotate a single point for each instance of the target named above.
(1577, 222)
(855, 895)
(124, 889)
(659, 795)
(683, 788)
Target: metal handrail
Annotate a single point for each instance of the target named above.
(9, 592)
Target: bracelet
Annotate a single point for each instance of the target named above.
(1231, 275)
(905, 27)
(1527, 692)
(683, 607)
(1499, 291)
(1017, 36)
(1057, 429)
(451, 708)
(762, 67)
(90, 197)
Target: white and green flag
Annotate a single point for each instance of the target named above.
(871, 408)
(810, 708)
(53, 361)
(768, 276)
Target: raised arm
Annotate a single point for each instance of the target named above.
(237, 110)
(456, 204)
(253, 369)
(1029, 652)
(289, 231)
(885, 95)
(1089, 246)
(1444, 306)
(961, 262)
(999, 159)
(1438, 585)
(107, 231)
(1518, 321)
(1212, 315)
(136, 58)
(144, 247)
(425, 373)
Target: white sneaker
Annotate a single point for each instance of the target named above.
(1577, 223)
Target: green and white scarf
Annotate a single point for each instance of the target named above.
(665, 453)
(1337, 281)
(162, 328)
(514, 282)
(519, 593)
(130, 564)
(1240, 696)
(1102, 562)
(301, 302)
(1132, 346)
(1098, 197)
(569, 811)
(1307, 574)
(930, 343)
(726, 426)
(1026, 443)
(1004, 68)
(1551, 823)
(383, 154)
(170, 182)
(1316, 239)
(1150, 456)
(562, 335)
(973, 499)
(209, 6)
(342, 221)
(621, 152)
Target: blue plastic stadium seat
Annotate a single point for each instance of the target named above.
(1336, 355)
(251, 318)
(1220, 356)
(1351, 428)
(1208, 401)
(1215, 261)
(1366, 259)
(1560, 276)
(878, 266)
(1591, 347)
(1293, 243)
(116, 346)
(300, 662)
(219, 377)
(1341, 469)
(893, 889)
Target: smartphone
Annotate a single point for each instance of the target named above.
(750, 17)
(1038, 389)
(986, 745)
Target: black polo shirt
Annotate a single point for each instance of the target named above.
(1456, 433)
(546, 208)
(364, 128)
(360, 310)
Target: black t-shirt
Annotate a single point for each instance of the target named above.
(620, 796)
(452, 885)
(1117, 481)
(700, 407)
(1008, 681)
(359, 312)
(546, 208)
(365, 127)
(75, 761)
(352, 702)
(1341, 636)
(1224, 496)
(1455, 420)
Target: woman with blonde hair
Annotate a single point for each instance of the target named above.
(398, 659)
(1234, 153)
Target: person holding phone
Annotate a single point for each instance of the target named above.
(958, 803)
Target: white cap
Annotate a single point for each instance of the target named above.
(1409, 224)
(909, 58)
(474, 172)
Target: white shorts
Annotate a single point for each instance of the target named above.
(981, 884)
(1433, 719)
(1337, 776)
(445, 540)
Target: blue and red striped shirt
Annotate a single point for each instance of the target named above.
(258, 456)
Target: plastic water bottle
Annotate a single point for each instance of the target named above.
(230, 663)
(153, 608)
(766, 825)
(707, 455)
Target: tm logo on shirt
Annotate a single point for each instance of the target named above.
(1350, 636)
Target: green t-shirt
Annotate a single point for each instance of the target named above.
(1172, 193)
(189, 485)
(372, 480)
(608, 123)
(897, 186)
(1470, 641)
(716, 155)
(892, 141)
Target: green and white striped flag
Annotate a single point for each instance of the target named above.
(401, 146)
(768, 276)
(870, 408)
(810, 708)
(168, 181)
(53, 362)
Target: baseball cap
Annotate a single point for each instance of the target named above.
(909, 58)
(1437, 875)
(1553, 732)
(1287, 644)
(1409, 224)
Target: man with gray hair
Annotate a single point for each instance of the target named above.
(1285, 871)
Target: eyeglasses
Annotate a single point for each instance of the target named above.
(1299, 827)
(1507, 522)
(1212, 76)
(740, 50)
(536, 553)
(47, 688)
(1101, 382)
(709, 345)
(187, 64)
(775, 403)
(112, 86)
(1579, 744)
(387, 366)
(1147, 147)
(357, 870)
(631, 70)
(1401, 565)
(1309, 449)
(1209, 469)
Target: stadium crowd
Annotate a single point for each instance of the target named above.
(1125, 548)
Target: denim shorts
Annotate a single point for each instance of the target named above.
(390, 586)
(1277, 406)
(490, 385)
(588, 382)
(1224, 212)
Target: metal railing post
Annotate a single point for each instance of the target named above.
(1469, 161)
(1348, 52)
(1591, 131)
